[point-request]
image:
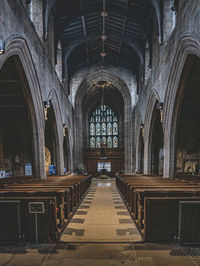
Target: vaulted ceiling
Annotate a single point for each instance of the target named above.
(104, 32)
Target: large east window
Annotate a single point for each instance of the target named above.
(104, 127)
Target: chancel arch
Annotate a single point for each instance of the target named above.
(116, 98)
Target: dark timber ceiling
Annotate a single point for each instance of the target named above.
(108, 94)
(120, 33)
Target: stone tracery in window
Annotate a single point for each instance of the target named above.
(103, 125)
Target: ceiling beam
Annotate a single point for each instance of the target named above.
(123, 30)
(71, 46)
(85, 33)
(136, 20)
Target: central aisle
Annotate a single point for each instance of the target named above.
(102, 217)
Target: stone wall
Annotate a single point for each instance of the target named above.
(17, 30)
(167, 64)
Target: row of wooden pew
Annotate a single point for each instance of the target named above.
(50, 203)
(161, 207)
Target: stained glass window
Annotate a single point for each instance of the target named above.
(115, 142)
(115, 128)
(98, 129)
(92, 129)
(92, 142)
(109, 129)
(98, 142)
(103, 123)
(109, 142)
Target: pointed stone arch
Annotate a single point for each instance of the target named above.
(106, 75)
(19, 48)
(53, 99)
(148, 129)
(187, 46)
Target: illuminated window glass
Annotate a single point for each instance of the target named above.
(109, 129)
(103, 123)
(103, 141)
(103, 129)
(109, 142)
(115, 128)
(98, 129)
(115, 142)
(98, 142)
(92, 142)
(92, 129)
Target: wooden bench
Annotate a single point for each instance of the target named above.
(162, 220)
(136, 189)
(17, 224)
(68, 191)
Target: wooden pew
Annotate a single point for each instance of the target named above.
(17, 224)
(160, 192)
(68, 191)
(136, 189)
(161, 219)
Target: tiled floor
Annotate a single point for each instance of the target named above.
(102, 217)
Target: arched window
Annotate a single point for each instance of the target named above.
(103, 125)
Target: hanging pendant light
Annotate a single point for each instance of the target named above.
(103, 150)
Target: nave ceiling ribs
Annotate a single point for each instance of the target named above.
(127, 25)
